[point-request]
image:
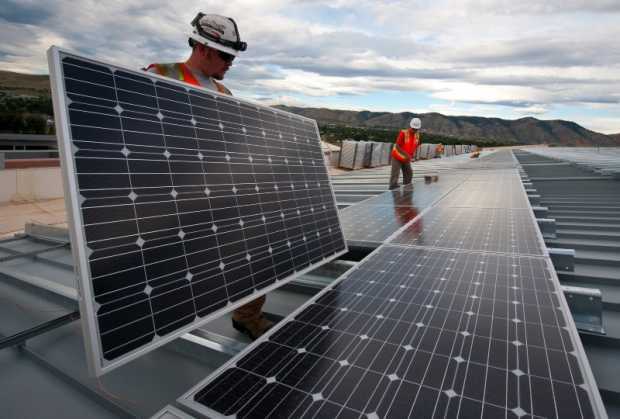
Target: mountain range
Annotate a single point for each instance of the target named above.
(18, 84)
(520, 131)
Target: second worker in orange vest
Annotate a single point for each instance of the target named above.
(403, 152)
(215, 43)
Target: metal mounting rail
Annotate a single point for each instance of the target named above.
(21, 337)
(17, 255)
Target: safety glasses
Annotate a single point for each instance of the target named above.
(226, 56)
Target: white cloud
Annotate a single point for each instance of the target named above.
(604, 125)
(526, 56)
(518, 96)
(532, 110)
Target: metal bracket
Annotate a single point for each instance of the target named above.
(547, 227)
(586, 306)
(563, 259)
(534, 199)
(540, 212)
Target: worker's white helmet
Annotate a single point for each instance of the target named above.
(415, 123)
(217, 32)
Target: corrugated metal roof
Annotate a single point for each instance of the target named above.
(37, 285)
(584, 201)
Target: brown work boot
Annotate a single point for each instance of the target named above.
(253, 328)
(249, 318)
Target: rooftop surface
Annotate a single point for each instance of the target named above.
(37, 287)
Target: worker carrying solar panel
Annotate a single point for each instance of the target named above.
(215, 42)
(406, 144)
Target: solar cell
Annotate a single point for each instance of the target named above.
(183, 203)
(415, 332)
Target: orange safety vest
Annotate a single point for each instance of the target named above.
(180, 71)
(408, 143)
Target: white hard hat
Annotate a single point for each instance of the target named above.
(217, 32)
(415, 123)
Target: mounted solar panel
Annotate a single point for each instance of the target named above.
(496, 191)
(368, 226)
(419, 331)
(416, 333)
(183, 203)
(369, 223)
(485, 229)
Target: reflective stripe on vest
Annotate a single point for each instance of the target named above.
(180, 71)
(409, 146)
(186, 75)
(399, 156)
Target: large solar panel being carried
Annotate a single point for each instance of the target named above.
(183, 203)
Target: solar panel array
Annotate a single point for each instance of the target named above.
(184, 203)
(503, 192)
(379, 222)
(369, 223)
(486, 229)
(399, 339)
(417, 332)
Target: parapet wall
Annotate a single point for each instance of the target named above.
(30, 184)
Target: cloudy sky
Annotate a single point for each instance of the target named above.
(553, 59)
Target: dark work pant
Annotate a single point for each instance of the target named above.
(397, 166)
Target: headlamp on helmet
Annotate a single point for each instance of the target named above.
(218, 32)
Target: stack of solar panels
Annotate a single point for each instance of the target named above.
(355, 154)
(183, 203)
(421, 151)
(367, 154)
(366, 148)
(459, 315)
(376, 159)
(348, 150)
(361, 154)
(385, 159)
